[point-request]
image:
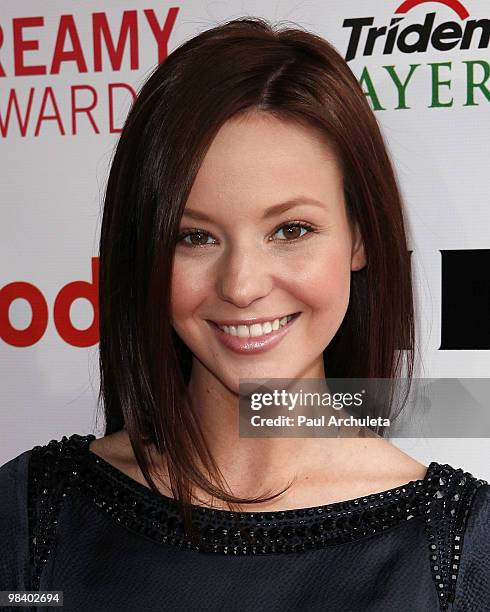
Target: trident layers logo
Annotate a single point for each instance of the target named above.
(446, 82)
(366, 38)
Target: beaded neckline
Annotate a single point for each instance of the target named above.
(379, 498)
(441, 501)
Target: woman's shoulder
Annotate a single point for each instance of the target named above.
(453, 495)
(35, 468)
(13, 487)
(457, 514)
(473, 553)
(14, 470)
(479, 521)
(64, 446)
(29, 484)
(14, 478)
(14, 522)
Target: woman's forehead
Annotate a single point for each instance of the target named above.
(257, 137)
(265, 161)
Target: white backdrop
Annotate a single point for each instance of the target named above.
(59, 58)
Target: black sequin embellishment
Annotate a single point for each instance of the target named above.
(451, 492)
(442, 499)
(52, 473)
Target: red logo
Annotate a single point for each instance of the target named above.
(61, 312)
(452, 4)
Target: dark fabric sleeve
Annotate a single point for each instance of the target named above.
(473, 585)
(14, 538)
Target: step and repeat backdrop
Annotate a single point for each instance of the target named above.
(68, 73)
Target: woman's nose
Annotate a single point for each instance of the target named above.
(244, 276)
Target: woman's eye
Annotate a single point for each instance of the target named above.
(292, 231)
(197, 238)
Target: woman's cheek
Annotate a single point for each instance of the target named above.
(183, 290)
(188, 289)
(325, 282)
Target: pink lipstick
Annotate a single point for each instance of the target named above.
(253, 344)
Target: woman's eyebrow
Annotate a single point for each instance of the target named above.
(272, 211)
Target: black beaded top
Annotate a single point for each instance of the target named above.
(442, 500)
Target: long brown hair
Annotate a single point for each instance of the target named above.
(235, 67)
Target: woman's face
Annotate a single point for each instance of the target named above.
(243, 261)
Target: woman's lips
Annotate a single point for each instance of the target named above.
(253, 345)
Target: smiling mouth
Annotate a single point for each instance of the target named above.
(256, 330)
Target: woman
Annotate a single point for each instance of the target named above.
(246, 138)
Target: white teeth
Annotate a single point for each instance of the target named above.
(255, 330)
(242, 331)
